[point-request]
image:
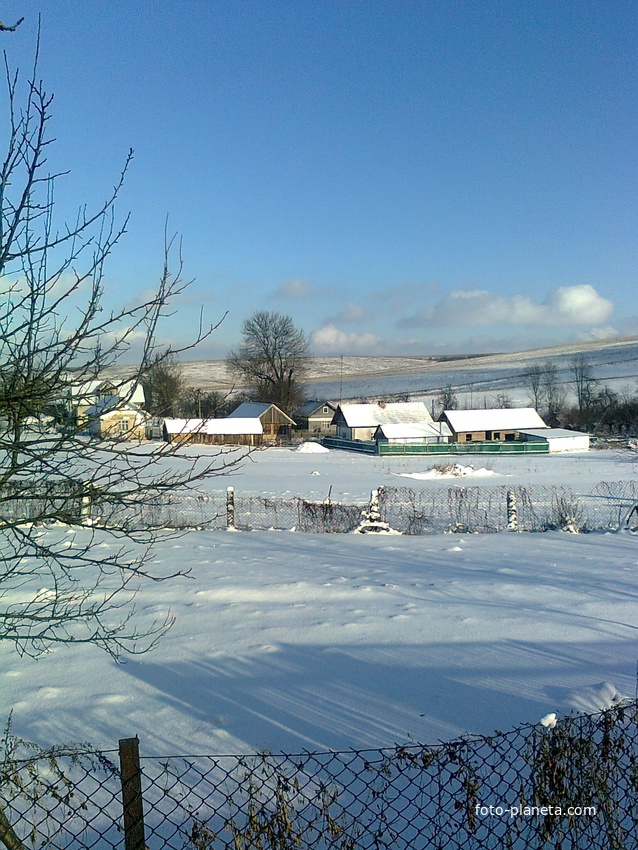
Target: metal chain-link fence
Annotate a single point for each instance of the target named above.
(606, 506)
(568, 785)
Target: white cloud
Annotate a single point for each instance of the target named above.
(605, 332)
(297, 287)
(332, 339)
(567, 306)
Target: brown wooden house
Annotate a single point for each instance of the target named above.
(274, 422)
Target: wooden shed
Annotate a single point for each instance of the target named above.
(274, 422)
(227, 431)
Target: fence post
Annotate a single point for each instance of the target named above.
(85, 504)
(230, 508)
(512, 513)
(132, 802)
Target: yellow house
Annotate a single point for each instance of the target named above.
(113, 420)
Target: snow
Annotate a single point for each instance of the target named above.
(288, 641)
(494, 420)
(457, 470)
(312, 448)
(368, 415)
(225, 426)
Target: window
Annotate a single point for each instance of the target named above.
(468, 438)
(496, 435)
(123, 426)
(325, 410)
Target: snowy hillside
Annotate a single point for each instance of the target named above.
(613, 361)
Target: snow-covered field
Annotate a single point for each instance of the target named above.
(474, 379)
(286, 641)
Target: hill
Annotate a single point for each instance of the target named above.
(614, 362)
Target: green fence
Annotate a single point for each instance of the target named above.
(481, 447)
(368, 447)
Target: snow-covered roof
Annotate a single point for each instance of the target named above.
(113, 404)
(500, 419)
(248, 409)
(86, 389)
(396, 412)
(413, 430)
(90, 390)
(546, 433)
(225, 426)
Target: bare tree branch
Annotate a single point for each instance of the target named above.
(73, 550)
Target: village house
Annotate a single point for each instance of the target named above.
(94, 398)
(226, 431)
(360, 421)
(495, 424)
(275, 423)
(112, 419)
(316, 417)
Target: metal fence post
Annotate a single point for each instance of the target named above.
(230, 508)
(132, 802)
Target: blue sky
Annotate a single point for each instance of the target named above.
(399, 177)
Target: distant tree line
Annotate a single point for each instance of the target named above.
(599, 409)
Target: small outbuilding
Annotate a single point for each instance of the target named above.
(495, 424)
(559, 439)
(419, 434)
(227, 431)
(275, 423)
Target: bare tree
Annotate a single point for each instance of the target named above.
(584, 381)
(446, 399)
(535, 386)
(272, 359)
(214, 404)
(163, 384)
(501, 401)
(553, 393)
(56, 339)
